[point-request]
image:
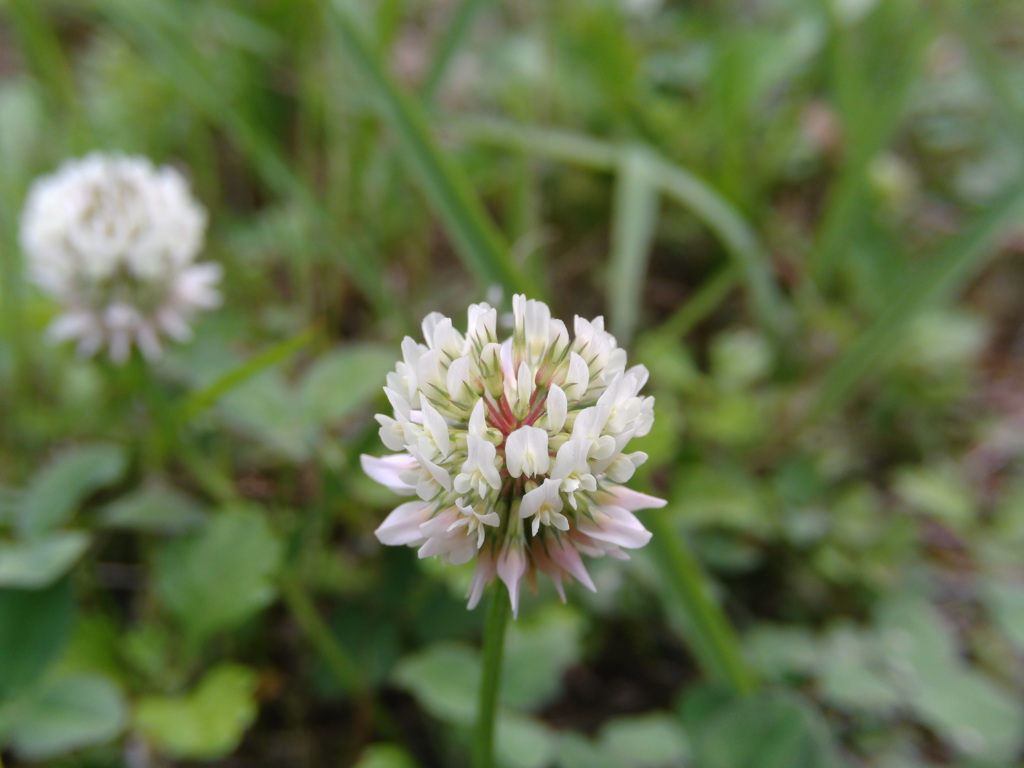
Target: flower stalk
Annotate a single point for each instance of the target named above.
(490, 678)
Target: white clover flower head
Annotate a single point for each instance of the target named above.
(114, 240)
(516, 449)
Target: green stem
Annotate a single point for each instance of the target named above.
(490, 679)
(713, 638)
(319, 634)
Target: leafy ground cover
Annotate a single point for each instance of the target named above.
(803, 216)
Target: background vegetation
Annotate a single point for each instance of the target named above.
(804, 216)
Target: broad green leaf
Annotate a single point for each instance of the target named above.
(444, 678)
(522, 742)
(854, 674)
(769, 730)
(233, 378)
(1005, 601)
(267, 407)
(54, 493)
(219, 577)
(385, 756)
(538, 650)
(980, 718)
(938, 490)
(341, 382)
(780, 651)
(208, 722)
(34, 627)
(740, 359)
(652, 740)
(154, 507)
(40, 562)
(66, 714)
(576, 751)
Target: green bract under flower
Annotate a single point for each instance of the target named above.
(516, 449)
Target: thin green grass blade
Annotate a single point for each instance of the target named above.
(967, 24)
(937, 278)
(203, 398)
(46, 58)
(554, 143)
(449, 46)
(710, 634)
(870, 112)
(634, 224)
(162, 36)
(448, 191)
(769, 304)
(702, 303)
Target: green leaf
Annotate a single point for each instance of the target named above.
(854, 674)
(267, 407)
(66, 714)
(55, 493)
(385, 756)
(219, 577)
(770, 730)
(522, 742)
(444, 678)
(41, 562)
(940, 490)
(980, 718)
(154, 507)
(650, 740)
(538, 650)
(1006, 603)
(207, 723)
(34, 627)
(341, 382)
(230, 380)
(780, 651)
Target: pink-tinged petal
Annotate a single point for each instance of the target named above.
(402, 526)
(148, 342)
(438, 525)
(567, 556)
(72, 325)
(511, 569)
(386, 470)
(482, 576)
(630, 500)
(616, 526)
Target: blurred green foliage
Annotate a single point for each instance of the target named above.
(805, 214)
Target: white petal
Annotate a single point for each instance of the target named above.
(526, 452)
(386, 470)
(630, 500)
(402, 526)
(437, 427)
(557, 409)
(616, 526)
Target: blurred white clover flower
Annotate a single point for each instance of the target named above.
(114, 240)
(515, 449)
